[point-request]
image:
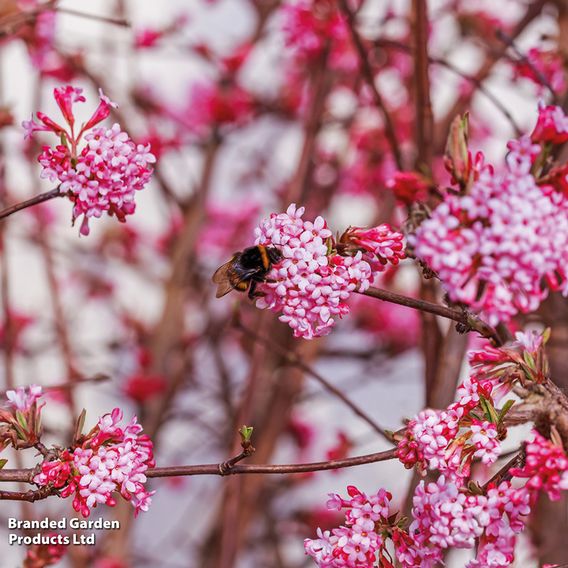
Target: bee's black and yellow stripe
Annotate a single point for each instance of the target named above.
(264, 257)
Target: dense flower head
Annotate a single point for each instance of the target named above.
(504, 511)
(313, 280)
(545, 467)
(427, 439)
(446, 515)
(448, 440)
(103, 175)
(493, 247)
(356, 544)
(110, 459)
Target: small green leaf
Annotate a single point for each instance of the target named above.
(21, 420)
(246, 433)
(3, 462)
(80, 424)
(529, 360)
(545, 336)
(489, 410)
(506, 407)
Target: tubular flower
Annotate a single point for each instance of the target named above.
(20, 419)
(105, 173)
(546, 467)
(551, 126)
(109, 459)
(316, 276)
(521, 360)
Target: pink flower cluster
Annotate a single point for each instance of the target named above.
(448, 440)
(109, 459)
(545, 467)
(23, 398)
(213, 105)
(504, 511)
(551, 125)
(541, 64)
(311, 25)
(20, 419)
(498, 368)
(493, 247)
(104, 175)
(313, 281)
(445, 515)
(356, 544)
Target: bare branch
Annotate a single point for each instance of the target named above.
(370, 79)
(31, 202)
(26, 475)
(470, 321)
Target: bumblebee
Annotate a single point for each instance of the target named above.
(245, 270)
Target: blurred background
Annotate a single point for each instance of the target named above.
(249, 105)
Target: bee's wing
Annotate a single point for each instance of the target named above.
(222, 277)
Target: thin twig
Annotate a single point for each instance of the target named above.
(370, 79)
(424, 116)
(294, 360)
(213, 469)
(26, 475)
(31, 202)
(509, 41)
(29, 496)
(105, 19)
(467, 319)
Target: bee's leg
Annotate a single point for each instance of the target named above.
(252, 289)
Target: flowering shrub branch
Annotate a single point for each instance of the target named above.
(26, 475)
(41, 198)
(484, 246)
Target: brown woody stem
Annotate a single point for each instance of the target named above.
(26, 475)
(470, 321)
(31, 202)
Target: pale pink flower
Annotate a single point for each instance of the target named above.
(551, 126)
(356, 544)
(545, 467)
(111, 460)
(23, 398)
(104, 175)
(312, 282)
(494, 247)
